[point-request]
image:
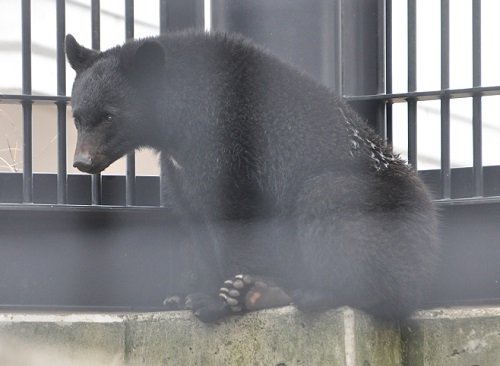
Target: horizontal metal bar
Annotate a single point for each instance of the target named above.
(38, 207)
(467, 201)
(18, 98)
(482, 91)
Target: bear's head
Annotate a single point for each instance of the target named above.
(111, 99)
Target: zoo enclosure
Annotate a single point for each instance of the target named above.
(345, 44)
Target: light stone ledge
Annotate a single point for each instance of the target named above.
(275, 337)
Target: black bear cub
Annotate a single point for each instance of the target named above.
(291, 197)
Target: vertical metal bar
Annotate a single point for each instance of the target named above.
(388, 66)
(338, 48)
(381, 125)
(96, 24)
(129, 19)
(328, 34)
(163, 30)
(412, 82)
(96, 45)
(445, 101)
(476, 99)
(27, 105)
(130, 179)
(163, 16)
(61, 106)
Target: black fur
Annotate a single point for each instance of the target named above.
(280, 178)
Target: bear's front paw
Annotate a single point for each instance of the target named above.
(173, 303)
(247, 293)
(207, 308)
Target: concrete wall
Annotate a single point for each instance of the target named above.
(278, 337)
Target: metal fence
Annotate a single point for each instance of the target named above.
(445, 94)
(371, 91)
(59, 256)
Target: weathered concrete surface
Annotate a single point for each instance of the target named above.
(284, 336)
(275, 337)
(61, 339)
(453, 337)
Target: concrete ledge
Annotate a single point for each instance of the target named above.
(453, 337)
(271, 337)
(278, 337)
(61, 339)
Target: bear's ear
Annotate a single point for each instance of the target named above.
(79, 57)
(146, 60)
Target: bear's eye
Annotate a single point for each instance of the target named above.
(108, 117)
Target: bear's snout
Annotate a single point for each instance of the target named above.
(83, 162)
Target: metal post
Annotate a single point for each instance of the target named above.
(27, 104)
(61, 105)
(445, 101)
(412, 82)
(388, 67)
(130, 179)
(96, 45)
(476, 99)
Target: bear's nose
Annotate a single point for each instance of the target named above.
(83, 162)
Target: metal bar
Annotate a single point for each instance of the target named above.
(412, 82)
(412, 45)
(129, 19)
(427, 95)
(412, 133)
(96, 45)
(476, 100)
(27, 105)
(19, 98)
(62, 194)
(338, 49)
(163, 170)
(483, 91)
(163, 16)
(388, 67)
(96, 24)
(381, 117)
(130, 187)
(445, 102)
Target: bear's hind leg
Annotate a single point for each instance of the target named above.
(362, 242)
